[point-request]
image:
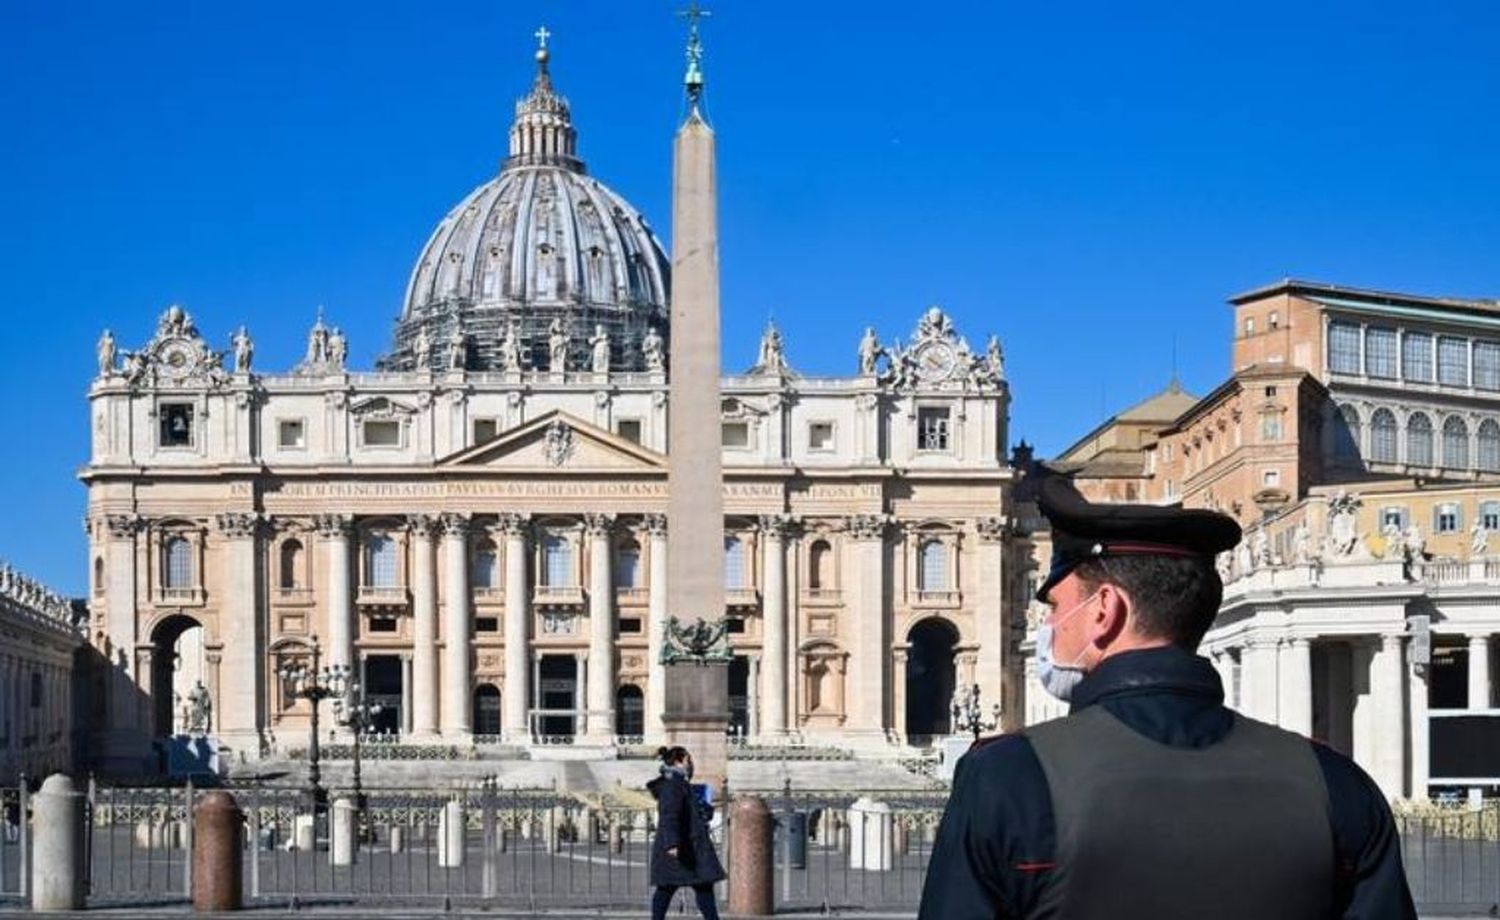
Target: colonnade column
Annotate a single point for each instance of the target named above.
(1389, 716)
(601, 704)
(656, 672)
(408, 716)
(1296, 686)
(1416, 707)
(753, 698)
(335, 530)
(456, 626)
(516, 698)
(773, 688)
(1480, 691)
(424, 658)
(237, 708)
(866, 533)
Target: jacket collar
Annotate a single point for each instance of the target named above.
(1152, 670)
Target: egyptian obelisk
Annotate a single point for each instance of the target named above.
(696, 711)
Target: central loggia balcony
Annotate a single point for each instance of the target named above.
(557, 596)
(381, 595)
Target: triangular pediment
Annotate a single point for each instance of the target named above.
(557, 441)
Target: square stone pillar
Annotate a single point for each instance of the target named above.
(1295, 666)
(237, 710)
(869, 644)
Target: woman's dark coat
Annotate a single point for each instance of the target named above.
(682, 824)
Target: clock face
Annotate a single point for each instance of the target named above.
(936, 361)
(177, 359)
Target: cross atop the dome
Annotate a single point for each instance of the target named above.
(541, 38)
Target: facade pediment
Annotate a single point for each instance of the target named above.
(559, 441)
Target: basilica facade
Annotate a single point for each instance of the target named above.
(476, 527)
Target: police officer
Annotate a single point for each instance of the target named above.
(1151, 799)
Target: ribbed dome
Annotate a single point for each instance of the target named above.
(539, 242)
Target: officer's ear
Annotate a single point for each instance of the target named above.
(1113, 616)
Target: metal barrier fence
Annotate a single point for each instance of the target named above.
(540, 848)
(1452, 858)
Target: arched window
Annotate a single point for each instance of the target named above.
(486, 709)
(1489, 446)
(1419, 440)
(98, 574)
(486, 567)
(734, 563)
(1347, 436)
(628, 565)
(1383, 436)
(291, 564)
(1455, 443)
(178, 563)
(630, 711)
(932, 569)
(557, 560)
(380, 561)
(820, 566)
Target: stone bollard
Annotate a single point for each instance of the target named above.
(218, 842)
(398, 838)
(343, 819)
(870, 836)
(751, 885)
(304, 832)
(57, 877)
(450, 844)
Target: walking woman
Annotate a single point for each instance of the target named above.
(683, 855)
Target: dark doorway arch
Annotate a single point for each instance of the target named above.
(486, 709)
(930, 680)
(166, 642)
(630, 711)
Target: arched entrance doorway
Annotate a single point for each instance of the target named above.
(630, 711)
(486, 710)
(929, 680)
(177, 666)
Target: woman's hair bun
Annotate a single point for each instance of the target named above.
(662, 752)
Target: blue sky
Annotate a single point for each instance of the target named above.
(1088, 180)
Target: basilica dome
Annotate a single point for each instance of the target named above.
(539, 244)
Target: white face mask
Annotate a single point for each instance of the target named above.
(1059, 679)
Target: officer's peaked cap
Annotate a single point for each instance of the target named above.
(1082, 530)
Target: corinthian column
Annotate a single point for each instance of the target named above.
(867, 694)
(456, 625)
(601, 667)
(424, 659)
(335, 530)
(656, 676)
(516, 699)
(773, 671)
(237, 710)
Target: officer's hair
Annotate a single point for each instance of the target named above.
(672, 756)
(1176, 598)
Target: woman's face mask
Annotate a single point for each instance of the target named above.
(1057, 678)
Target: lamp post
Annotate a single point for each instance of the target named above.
(968, 716)
(315, 685)
(351, 710)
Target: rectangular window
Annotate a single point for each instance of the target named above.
(176, 425)
(1446, 518)
(1416, 356)
(932, 429)
(1487, 365)
(485, 430)
(1270, 478)
(382, 624)
(1380, 353)
(1393, 515)
(1249, 325)
(820, 436)
(1453, 361)
(735, 434)
(1274, 321)
(630, 624)
(382, 434)
(291, 434)
(629, 429)
(1270, 392)
(1343, 348)
(1489, 516)
(486, 625)
(1270, 427)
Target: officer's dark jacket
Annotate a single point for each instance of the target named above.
(995, 845)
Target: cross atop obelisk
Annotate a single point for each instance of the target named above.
(693, 79)
(696, 711)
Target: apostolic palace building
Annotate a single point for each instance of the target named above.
(476, 525)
